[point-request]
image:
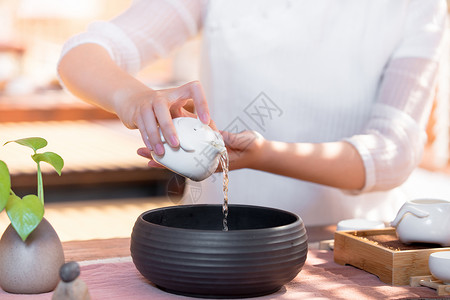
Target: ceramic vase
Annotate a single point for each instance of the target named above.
(30, 267)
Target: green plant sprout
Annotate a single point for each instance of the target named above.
(26, 213)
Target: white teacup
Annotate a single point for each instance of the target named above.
(439, 264)
(358, 224)
(425, 221)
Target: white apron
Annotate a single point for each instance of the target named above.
(265, 70)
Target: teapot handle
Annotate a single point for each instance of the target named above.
(411, 210)
(183, 144)
(187, 145)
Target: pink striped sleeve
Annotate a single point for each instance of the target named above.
(392, 143)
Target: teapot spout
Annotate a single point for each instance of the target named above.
(220, 148)
(218, 143)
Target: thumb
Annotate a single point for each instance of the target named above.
(230, 139)
(240, 140)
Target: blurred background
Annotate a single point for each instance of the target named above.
(104, 185)
(33, 32)
(97, 149)
(103, 177)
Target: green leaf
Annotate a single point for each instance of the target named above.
(5, 185)
(52, 158)
(34, 143)
(25, 214)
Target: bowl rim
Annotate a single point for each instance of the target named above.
(427, 201)
(298, 220)
(441, 255)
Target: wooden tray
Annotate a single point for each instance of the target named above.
(381, 253)
(431, 282)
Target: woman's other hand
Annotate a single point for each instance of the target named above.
(244, 148)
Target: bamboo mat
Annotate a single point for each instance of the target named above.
(320, 278)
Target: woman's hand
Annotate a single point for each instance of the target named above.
(147, 153)
(244, 149)
(152, 110)
(89, 73)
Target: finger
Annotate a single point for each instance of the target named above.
(145, 152)
(200, 103)
(152, 131)
(164, 118)
(144, 136)
(154, 164)
(177, 107)
(193, 90)
(212, 124)
(183, 113)
(186, 113)
(179, 111)
(228, 138)
(141, 127)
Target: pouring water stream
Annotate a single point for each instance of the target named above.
(224, 163)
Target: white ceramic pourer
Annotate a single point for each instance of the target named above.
(199, 152)
(424, 220)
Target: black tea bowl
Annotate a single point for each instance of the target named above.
(183, 250)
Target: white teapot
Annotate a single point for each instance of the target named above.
(424, 220)
(199, 152)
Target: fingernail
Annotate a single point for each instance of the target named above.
(204, 117)
(173, 141)
(159, 149)
(147, 144)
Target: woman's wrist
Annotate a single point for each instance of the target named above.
(128, 101)
(257, 153)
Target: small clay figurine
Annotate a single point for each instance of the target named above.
(71, 287)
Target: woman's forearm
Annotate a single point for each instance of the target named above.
(90, 74)
(336, 164)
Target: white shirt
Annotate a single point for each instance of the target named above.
(312, 71)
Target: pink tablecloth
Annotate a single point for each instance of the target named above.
(320, 278)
